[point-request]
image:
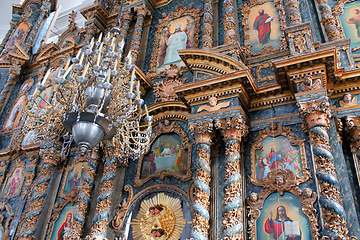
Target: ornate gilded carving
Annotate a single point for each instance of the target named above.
(316, 115)
(300, 42)
(180, 12)
(214, 105)
(328, 20)
(185, 144)
(164, 91)
(309, 85)
(245, 10)
(274, 130)
(348, 100)
(160, 217)
(201, 205)
(229, 22)
(118, 221)
(266, 77)
(293, 11)
(353, 130)
(233, 129)
(306, 197)
(207, 28)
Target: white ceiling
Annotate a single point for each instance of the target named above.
(61, 22)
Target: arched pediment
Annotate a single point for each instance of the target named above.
(210, 61)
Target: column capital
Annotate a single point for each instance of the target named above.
(315, 113)
(353, 130)
(202, 131)
(232, 128)
(142, 10)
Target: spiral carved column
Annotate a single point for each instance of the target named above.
(100, 223)
(328, 20)
(51, 157)
(316, 119)
(125, 23)
(201, 205)
(233, 129)
(85, 194)
(293, 12)
(229, 21)
(9, 85)
(208, 21)
(141, 11)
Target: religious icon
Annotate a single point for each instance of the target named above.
(14, 183)
(15, 114)
(160, 217)
(282, 219)
(64, 223)
(264, 27)
(19, 34)
(277, 153)
(166, 153)
(178, 34)
(75, 176)
(350, 21)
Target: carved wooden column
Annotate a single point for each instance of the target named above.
(201, 205)
(233, 129)
(328, 20)
(353, 131)
(51, 157)
(293, 12)
(208, 20)
(14, 71)
(84, 198)
(141, 11)
(316, 115)
(229, 21)
(126, 18)
(100, 223)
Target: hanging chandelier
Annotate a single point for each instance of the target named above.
(95, 97)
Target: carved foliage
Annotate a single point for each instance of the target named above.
(186, 144)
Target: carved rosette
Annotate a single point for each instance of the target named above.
(84, 197)
(315, 115)
(208, 20)
(229, 21)
(201, 205)
(100, 223)
(51, 157)
(233, 129)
